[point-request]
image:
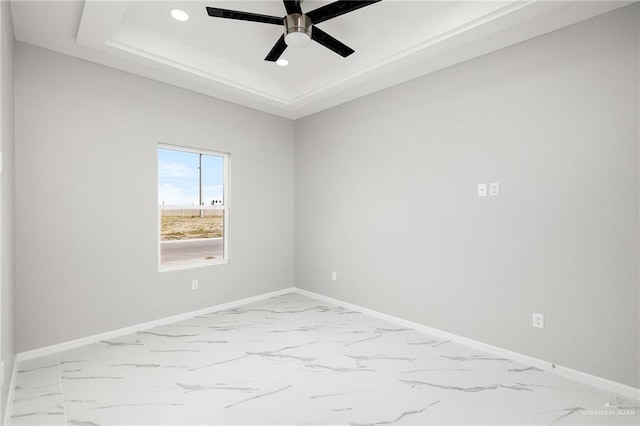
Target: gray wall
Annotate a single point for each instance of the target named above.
(7, 241)
(385, 194)
(86, 188)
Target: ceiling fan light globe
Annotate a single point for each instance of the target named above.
(297, 39)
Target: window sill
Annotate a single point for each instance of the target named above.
(191, 265)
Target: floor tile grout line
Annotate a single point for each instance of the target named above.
(64, 401)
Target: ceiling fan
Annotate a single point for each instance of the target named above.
(299, 28)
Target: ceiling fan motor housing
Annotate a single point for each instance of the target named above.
(297, 30)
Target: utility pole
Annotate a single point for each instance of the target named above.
(200, 183)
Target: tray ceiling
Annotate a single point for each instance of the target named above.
(394, 41)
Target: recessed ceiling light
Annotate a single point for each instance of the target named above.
(179, 15)
(282, 62)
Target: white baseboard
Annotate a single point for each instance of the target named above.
(48, 350)
(589, 379)
(12, 388)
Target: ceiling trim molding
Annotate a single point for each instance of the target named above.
(212, 78)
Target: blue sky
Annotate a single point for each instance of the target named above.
(178, 177)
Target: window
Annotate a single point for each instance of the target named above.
(193, 207)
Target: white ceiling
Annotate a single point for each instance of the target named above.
(394, 41)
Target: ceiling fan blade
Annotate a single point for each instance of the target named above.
(337, 8)
(243, 16)
(292, 6)
(331, 43)
(277, 50)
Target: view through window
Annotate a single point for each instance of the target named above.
(192, 207)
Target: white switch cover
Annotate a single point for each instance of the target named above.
(334, 276)
(494, 189)
(194, 285)
(482, 190)
(538, 320)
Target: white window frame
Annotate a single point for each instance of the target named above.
(224, 207)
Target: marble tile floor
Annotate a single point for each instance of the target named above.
(294, 360)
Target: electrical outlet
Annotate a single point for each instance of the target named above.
(482, 190)
(334, 276)
(194, 285)
(538, 320)
(494, 189)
